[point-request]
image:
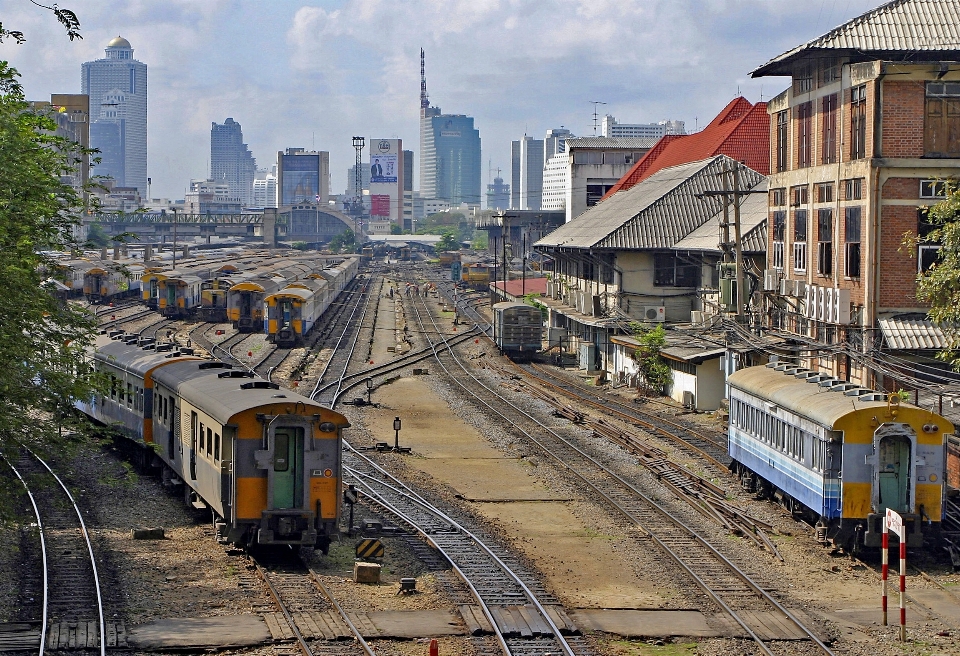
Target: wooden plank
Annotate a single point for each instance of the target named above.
(53, 636)
(520, 622)
(277, 625)
(563, 621)
(93, 635)
(73, 641)
(538, 626)
(328, 631)
(340, 629)
(504, 621)
(307, 627)
(476, 621)
(121, 635)
(363, 624)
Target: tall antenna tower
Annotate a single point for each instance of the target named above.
(424, 99)
(596, 116)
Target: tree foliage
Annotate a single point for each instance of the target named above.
(655, 373)
(43, 340)
(448, 242)
(66, 18)
(940, 285)
(345, 242)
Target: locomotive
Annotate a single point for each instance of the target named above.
(265, 461)
(837, 453)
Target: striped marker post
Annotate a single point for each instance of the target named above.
(903, 589)
(894, 522)
(885, 568)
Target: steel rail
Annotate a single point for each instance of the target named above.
(420, 501)
(662, 511)
(343, 614)
(283, 609)
(43, 553)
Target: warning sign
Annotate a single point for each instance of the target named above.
(370, 548)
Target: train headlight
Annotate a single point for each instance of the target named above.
(930, 428)
(328, 427)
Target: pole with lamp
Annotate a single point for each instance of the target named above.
(396, 437)
(369, 390)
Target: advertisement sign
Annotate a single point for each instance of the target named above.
(380, 205)
(383, 168)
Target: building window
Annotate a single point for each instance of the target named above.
(852, 242)
(798, 195)
(858, 122)
(595, 192)
(828, 153)
(825, 192)
(804, 138)
(853, 189)
(825, 242)
(941, 125)
(778, 197)
(800, 240)
(803, 78)
(782, 123)
(829, 70)
(670, 271)
(927, 251)
(779, 229)
(933, 189)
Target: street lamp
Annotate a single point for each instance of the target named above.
(396, 434)
(370, 390)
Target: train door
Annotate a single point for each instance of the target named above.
(171, 295)
(285, 313)
(194, 429)
(287, 468)
(245, 310)
(893, 479)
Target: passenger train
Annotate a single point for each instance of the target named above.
(265, 461)
(837, 453)
(518, 329)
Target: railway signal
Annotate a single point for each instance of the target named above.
(351, 495)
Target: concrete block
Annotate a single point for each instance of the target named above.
(148, 533)
(366, 573)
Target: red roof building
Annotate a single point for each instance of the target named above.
(741, 131)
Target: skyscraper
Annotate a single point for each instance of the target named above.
(498, 195)
(231, 160)
(303, 177)
(450, 168)
(117, 87)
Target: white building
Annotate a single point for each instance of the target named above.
(556, 176)
(265, 190)
(610, 128)
(594, 165)
(117, 86)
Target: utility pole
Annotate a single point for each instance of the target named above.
(737, 246)
(174, 237)
(358, 180)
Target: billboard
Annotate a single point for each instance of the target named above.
(386, 180)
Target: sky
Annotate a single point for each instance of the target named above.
(313, 75)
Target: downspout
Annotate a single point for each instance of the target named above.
(872, 293)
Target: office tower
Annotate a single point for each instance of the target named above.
(303, 176)
(265, 188)
(609, 127)
(514, 175)
(231, 160)
(450, 168)
(408, 216)
(555, 142)
(528, 172)
(117, 87)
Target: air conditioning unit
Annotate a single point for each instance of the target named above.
(786, 287)
(810, 302)
(551, 289)
(799, 288)
(771, 278)
(654, 313)
(821, 304)
(696, 317)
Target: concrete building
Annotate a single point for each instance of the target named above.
(556, 181)
(303, 177)
(514, 175)
(211, 197)
(531, 173)
(231, 160)
(555, 142)
(265, 188)
(593, 166)
(117, 88)
(609, 127)
(860, 143)
(408, 204)
(351, 191)
(71, 111)
(498, 195)
(450, 166)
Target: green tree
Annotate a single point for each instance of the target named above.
(346, 242)
(43, 342)
(448, 242)
(97, 237)
(655, 372)
(940, 284)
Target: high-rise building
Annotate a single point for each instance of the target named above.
(71, 111)
(450, 168)
(609, 127)
(265, 188)
(408, 216)
(352, 180)
(498, 195)
(555, 142)
(231, 160)
(117, 88)
(514, 175)
(303, 177)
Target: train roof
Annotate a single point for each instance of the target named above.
(223, 393)
(132, 358)
(816, 396)
(503, 305)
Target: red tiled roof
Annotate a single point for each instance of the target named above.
(516, 288)
(741, 131)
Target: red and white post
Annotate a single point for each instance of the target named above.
(892, 521)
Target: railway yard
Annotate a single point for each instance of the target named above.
(528, 512)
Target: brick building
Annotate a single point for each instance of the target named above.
(858, 143)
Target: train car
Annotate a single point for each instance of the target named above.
(108, 280)
(517, 329)
(837, 453)
(266, 462)
(179, 293)
(447, 258)
(476, 276)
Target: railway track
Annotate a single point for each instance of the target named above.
(502, 587)
(735, 587)
(65, 594)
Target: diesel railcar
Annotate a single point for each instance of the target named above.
(837, 453)
(517, 329)
(265, 461)
(291, 312)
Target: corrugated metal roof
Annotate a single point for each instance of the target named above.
(626, 143)
(912, 331)
(656, 213)
(753, 217)
(902, 26)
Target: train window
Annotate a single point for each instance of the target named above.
(216, 447)
(281, 446)
(129, 393)
(164, 399)
(209, 440)
(202, 435)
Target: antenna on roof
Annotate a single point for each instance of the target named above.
(424, 99)
(596, 103)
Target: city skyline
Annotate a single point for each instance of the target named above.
(355, 68)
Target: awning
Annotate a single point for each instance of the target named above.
(913, 331)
